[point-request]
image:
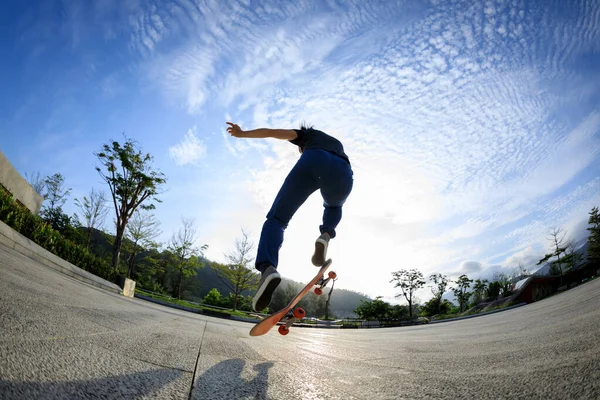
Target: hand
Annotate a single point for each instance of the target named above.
(234, 130)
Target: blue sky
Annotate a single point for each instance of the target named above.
(472, 126)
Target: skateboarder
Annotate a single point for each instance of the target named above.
(322, 165)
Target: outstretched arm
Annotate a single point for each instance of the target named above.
(261, 133)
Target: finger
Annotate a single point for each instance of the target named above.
(230, 123)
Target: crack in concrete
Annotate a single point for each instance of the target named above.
(197, 361)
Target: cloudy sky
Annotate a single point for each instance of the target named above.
(472, 126)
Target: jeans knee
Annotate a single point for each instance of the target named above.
(274, 221)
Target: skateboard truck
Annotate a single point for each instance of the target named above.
(290, 314)
(323, 282)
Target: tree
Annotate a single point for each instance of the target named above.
(282, 296)
(434, 307)
(440, 283)
(409, 281)
(186, 253)
(493, 290)
(460, 291)
(92, 213)
(594, 237)
(56, 193)
(132, 181)
(373, 310)
(141, 231)
(479, 289)
(558, 247)
(503, 283)
(213, 297)
(238, 276)
(572, 257)
(55, 197)
(37, 183)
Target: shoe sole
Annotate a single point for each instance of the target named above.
(262, 299)
(318, 258)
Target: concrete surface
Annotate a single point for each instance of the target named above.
(62, 339)
(23, 245)
(18, 186)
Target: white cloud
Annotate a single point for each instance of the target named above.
(189, 150)
(461, 131)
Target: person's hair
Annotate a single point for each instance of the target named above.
(304, 126)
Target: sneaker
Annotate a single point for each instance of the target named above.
(318, 259)
(269, 281)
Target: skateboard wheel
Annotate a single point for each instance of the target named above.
(283, 330)
(332, 274)
(299, 312)
(318, 291)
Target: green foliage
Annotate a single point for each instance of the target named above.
(213, 298)
(594, 237)
(42, 233)
(479, 289)
(379, 310)
(132, 181)
(238, 275)
(409, 281)
(92, 213)
(460, 291)
(493, 290)
(186, 254)
(436, 306)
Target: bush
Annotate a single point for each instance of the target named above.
(41, 233)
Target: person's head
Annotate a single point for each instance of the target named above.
(304, 127)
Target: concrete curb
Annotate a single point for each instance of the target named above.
(14, 240)
(478, 315)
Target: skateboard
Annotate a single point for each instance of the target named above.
(289, 314)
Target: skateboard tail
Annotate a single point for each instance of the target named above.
(269, 322)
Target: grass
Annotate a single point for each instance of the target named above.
(196, 306)
(458, 315)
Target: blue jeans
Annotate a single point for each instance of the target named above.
(316, 169)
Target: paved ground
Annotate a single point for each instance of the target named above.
(63, 339)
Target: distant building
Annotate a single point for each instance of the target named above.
(535, 288)
(14, 184)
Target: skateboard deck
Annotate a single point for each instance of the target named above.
(269, 322)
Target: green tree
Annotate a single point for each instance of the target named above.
(55, 196)
(132, 181)
(213, 297)
(593, 249)
(282, 296)
(186, 253)
(141, 231)
(92, 213)
(440, 283)
(409, 281)
(558, 247)
(504, 284)
(434, 307)
(479, 288)
(493, 290)
(238, 275)
(572, 257)
(156, 271)
(373, 310)
(461, 291)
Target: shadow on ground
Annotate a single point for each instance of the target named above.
(126, 386)
(225, 381)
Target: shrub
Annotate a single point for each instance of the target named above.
(41, 233)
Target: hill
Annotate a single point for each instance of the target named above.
(343, 302)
